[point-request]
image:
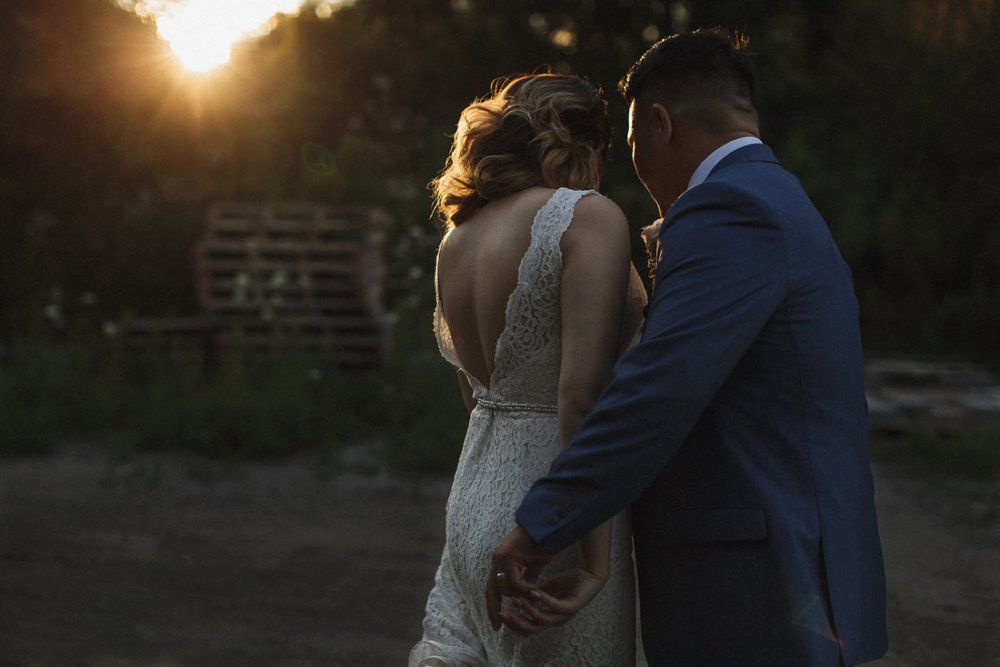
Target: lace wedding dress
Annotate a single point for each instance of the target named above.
(513, 436)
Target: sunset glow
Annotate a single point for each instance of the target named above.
(202, 33)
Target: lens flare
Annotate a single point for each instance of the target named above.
(202, 33)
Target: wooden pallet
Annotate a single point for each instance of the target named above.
(308, 278)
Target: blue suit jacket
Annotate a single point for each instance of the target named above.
(736, 428)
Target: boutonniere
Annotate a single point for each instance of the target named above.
(651, 238)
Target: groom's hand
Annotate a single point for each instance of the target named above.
(558, 599)
(516, 565)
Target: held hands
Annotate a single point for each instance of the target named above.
(554, 602)
(517, 563)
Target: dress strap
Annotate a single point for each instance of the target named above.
(555, 216)
(537, 276)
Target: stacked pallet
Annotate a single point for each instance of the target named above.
(299, 277)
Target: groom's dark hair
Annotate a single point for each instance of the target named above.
(700, 65)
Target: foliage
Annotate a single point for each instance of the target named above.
(47, 395)
(972, 452)
(111, 155)
(252, 407)
(54, 391)
(908, 187)
(426, 417)
(109, 158)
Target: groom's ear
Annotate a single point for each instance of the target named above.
(663, 127)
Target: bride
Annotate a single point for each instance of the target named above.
(536, 298)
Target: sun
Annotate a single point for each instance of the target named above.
(202, 33)
(198, 46)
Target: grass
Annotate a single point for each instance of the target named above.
(246, 408)
(426, 416)
(254, 408)
(972, 452)
(279, 406)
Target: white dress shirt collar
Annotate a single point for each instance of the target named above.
(716, 156)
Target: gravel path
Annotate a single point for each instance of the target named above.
(170, 562)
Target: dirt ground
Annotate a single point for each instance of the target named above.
(166, 561)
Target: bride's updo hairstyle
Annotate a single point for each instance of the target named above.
(548, 130)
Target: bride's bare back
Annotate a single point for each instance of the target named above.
(477, 271)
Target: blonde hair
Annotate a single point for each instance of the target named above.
(550, 130)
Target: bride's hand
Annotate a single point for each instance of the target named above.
(555, 601)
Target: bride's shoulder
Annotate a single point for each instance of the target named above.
(598, 211)
(597, 220)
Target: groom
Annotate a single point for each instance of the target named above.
(736, 427)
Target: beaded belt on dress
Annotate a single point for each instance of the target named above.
(516, 407)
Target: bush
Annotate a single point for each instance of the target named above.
(246, 408)
(973, 452)
(254, 408)
(426, 416)
(47, 394)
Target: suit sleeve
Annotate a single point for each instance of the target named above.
(722, 276)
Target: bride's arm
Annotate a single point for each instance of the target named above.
(596, 265)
